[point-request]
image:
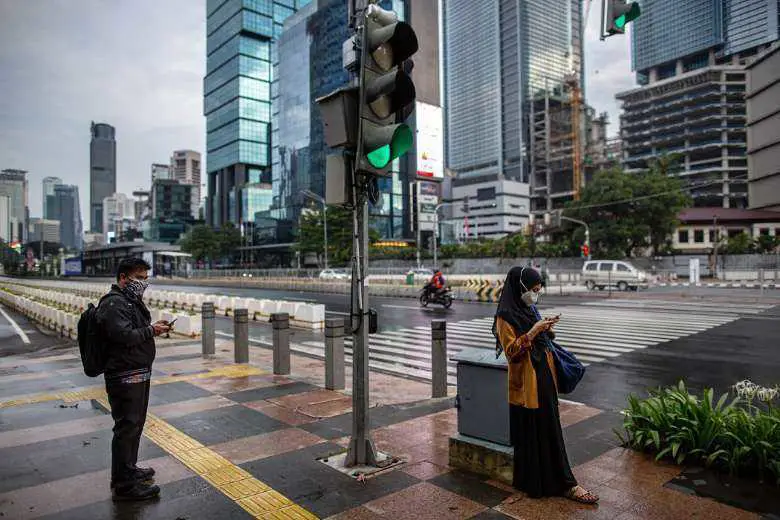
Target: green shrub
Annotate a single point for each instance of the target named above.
(734, 435)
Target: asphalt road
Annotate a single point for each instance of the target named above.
(632, 342)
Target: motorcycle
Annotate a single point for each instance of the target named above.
(444, 298)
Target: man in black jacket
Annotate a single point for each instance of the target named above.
(129, 338)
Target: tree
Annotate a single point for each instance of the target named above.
(201, 242)
(740, 244)
(766, 243)
(628, 211)
(311, 237)
(228, 241)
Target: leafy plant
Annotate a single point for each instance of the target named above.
(735, 435)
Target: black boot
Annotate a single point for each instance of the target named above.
(135, 492)
(143, 473)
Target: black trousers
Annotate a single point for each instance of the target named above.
(129, 402)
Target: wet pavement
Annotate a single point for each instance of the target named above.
(232, 441)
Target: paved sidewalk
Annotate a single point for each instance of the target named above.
(235, 441)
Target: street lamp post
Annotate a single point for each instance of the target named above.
(319, 199)
(436, 231)
(587, 231)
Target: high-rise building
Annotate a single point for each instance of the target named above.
(44, 229)
(102, 172)
(48, 191)
(498, 55)
(6, 233)
(185, 168)
(13, 184)
(763, 131)
(690, 58)
(161, 172)
(310, 66)
(66, 208)
(240, 53)
(118, 214)
(172, 211)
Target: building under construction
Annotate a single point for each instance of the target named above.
(562, 160)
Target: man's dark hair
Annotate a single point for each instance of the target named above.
(130, 265)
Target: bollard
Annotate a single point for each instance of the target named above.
(439, 358)
(334, 354)
(207, 337)
(281, 326)
(241, 335)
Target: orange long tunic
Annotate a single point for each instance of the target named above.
(522, 375)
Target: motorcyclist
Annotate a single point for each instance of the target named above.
(437, 285)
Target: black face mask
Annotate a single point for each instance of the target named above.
(137, 287)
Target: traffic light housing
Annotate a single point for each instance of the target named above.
(585, 251)
(616, 14)
(387, 93)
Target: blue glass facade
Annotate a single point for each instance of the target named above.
(240, 48)
(490, 75)
(669, 30)
(310, 66)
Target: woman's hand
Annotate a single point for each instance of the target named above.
(541, 326)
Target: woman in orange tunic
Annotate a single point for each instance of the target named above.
(541, 466)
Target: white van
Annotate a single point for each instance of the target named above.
(603, 273)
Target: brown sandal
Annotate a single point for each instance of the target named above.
(581, 495)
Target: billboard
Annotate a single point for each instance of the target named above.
(430, 141)
(72, 266)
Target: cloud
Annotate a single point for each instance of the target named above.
(136, 65)
(607, 69)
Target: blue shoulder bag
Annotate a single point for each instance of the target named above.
(568, 368)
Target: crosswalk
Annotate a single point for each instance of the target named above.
(594, 332)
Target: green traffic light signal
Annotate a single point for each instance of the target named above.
(380, 154)
(631, 14)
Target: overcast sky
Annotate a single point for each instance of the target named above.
(138, 65)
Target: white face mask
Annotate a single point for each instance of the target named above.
(528, 297)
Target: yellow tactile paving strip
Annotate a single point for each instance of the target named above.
(95, 392)
(254, 496)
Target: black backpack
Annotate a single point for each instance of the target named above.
(91, 347)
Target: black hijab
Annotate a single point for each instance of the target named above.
(512, 308)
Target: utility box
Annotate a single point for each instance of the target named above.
(482, 402)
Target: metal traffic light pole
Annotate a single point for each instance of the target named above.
(361, 451)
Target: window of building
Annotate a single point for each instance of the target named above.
(682, 236)
(735, 233)
(698, 236)
(764, 232)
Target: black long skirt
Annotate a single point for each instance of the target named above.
(541, 467)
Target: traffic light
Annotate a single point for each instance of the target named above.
(585, 251)
(615, 14)
(387, 92)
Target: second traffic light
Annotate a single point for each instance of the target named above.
(387, 92)
(615, 16)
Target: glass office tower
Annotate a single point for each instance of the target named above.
(241, 52)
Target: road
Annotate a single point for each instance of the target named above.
(18, 335)
(709, 337)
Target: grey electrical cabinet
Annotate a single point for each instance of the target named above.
(483, 406)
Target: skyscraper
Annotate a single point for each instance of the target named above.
(118, 210)
(497, 55)
(185, 168)
(48, 191)
(66, 208)
(102, 171)
(311, 66)
(13, 184)
(690, 58)
(240, 53)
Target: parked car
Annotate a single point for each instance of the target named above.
(333, 274)
(603, 273)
